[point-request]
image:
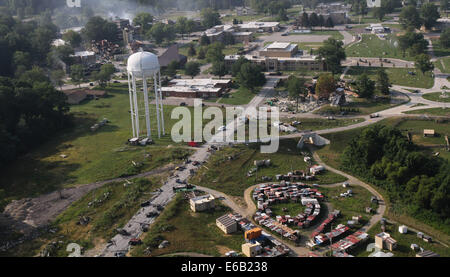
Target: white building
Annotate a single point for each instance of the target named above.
(373, 3)
(202, 203)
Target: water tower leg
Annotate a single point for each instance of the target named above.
(130, 90)
(147, 109)
(157, 105)
(136, 107)
(161, 104)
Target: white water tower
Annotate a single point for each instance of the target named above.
(143, 68)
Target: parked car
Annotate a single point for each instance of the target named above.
(222, 128)
(182, 104)
(145, 204)
(374, 115)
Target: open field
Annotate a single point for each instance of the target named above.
(443, 64)
(368, 19)
(320, 123)
(404, 242)
(436, 96)
(332, 33)
(432, 111)
(226, 170)
(105, 209)
(358, 106)
(438, 50)
(91, 156)
(241, 96)
(187, 231)
(372, 47)
(397, 76)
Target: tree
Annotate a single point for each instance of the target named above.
(379, 12)
(215, 52)
(250, 76)
(314, 20)
(57, 77)
(191, 51)
(282, 15)
(423, 63)
(145, 20)
(409, 17)
(444, 40)
(414, 43)
(329, 23)
(77, 74)
(382, 84)
(332, 52)
(182, 26)
(304, 20)
(201, 53)
(204, 40)
(105, 74)
(73, 38)
(364, 86)
(210, 18)
(98, 29)
(326, 85)
(65, 52)
(157, 32)
(321, 21)
(444, 6)
(296, 87)
(171, 69)
(192, 69)
(236, 67)
(219, 68)
(429, 14)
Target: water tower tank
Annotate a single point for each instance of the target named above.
(143, 63)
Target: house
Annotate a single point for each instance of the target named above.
(429, 133)
(218, 33)
(427, 254)
(202, 203)
(384, 241)
(75, 96)
(196, 88)
(166, 56)
(253, 233)
(227, 224)
(251, 249)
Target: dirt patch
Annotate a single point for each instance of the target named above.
(223, 249)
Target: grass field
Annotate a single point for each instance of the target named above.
(436, 96)
(241, 96)
(187, 231)
(443, 64)
(91, 156)
(334, 34)
(359, 106)
(320, 124)
(404, 242)
(227, 169)
(111, 207)
(432, 111)
(372, 47)
(368, 19)
(438, 50)
(397, 76)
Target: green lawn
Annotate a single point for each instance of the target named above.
(416, 127)
(443, 64)
(293, 209)
(320, 124)
(349, 206)
(438, 50)
(404, 242)
(436, 96)
(227, 169)
(368, 19)
(241, 96)
(432, 111)
(334, 34)
(114, 204)
(91, 156)
(359, 106)
(372, 47)
(397, 76)
(187, 231)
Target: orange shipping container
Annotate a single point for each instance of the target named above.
(253, 233)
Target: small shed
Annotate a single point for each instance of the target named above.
(429, 133)
(403, 229)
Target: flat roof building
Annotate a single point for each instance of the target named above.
(259, 26)
(384, 241)
(196, 88)
(202, 203)
(227, 224)
(279, 49)
(251, 249)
